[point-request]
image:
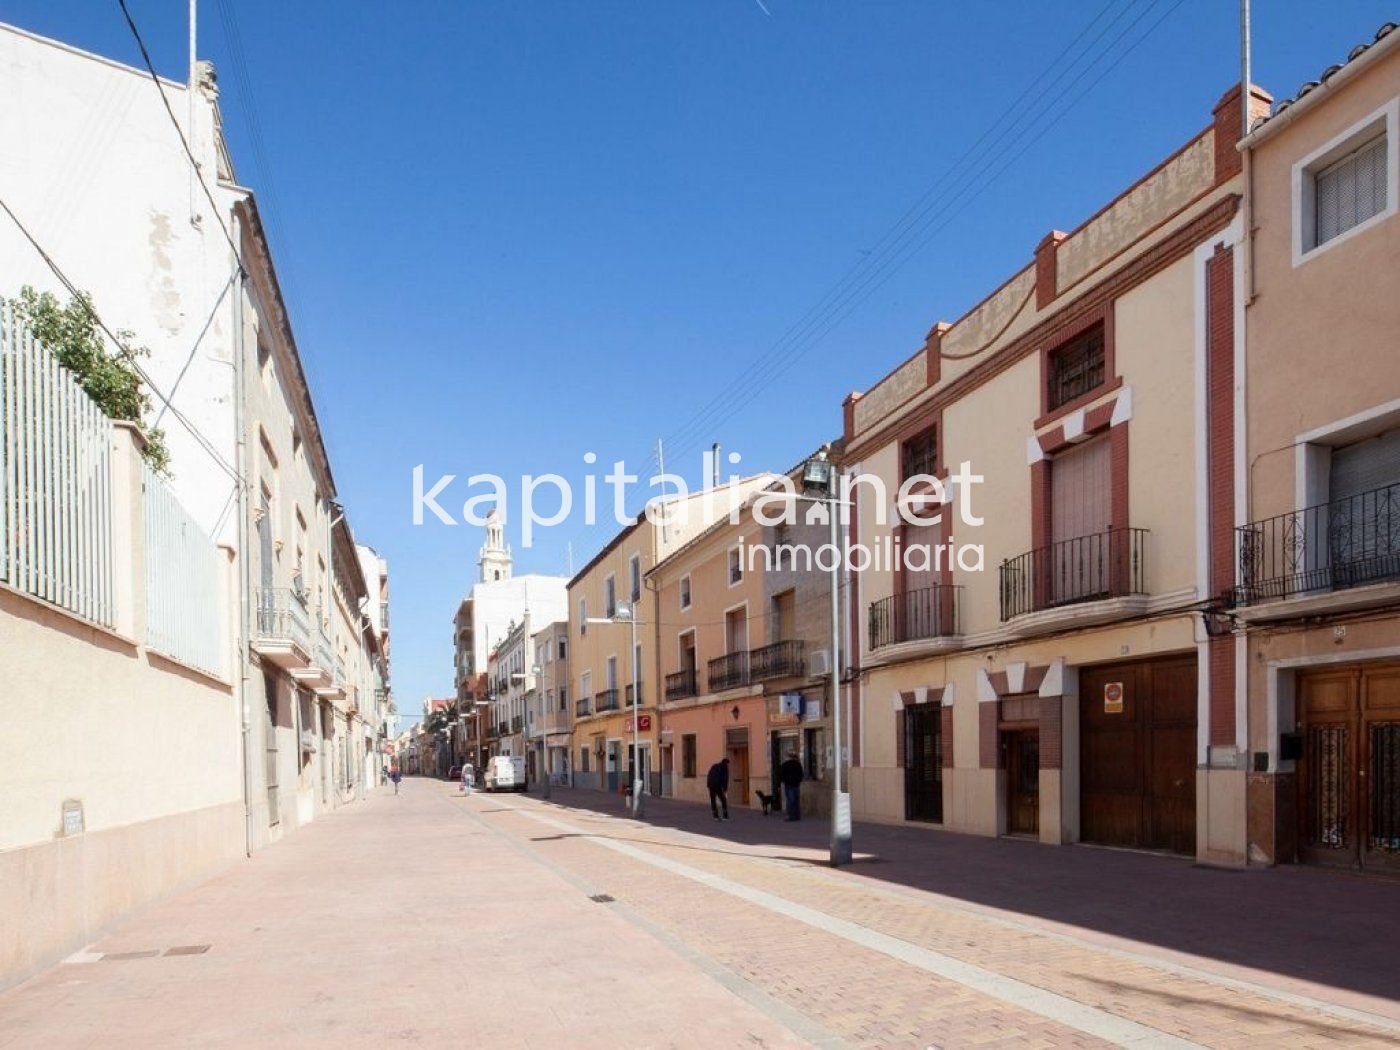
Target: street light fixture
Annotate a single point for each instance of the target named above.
(626, 612)
(819, 475)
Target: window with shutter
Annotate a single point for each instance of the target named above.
(1350, 191)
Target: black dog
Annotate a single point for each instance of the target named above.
(769, 802)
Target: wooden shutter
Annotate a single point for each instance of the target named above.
(1081, 491)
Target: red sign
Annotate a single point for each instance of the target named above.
(1113, 698)
(645, 720)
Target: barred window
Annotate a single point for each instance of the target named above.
(920, 454)
(688, 755)
(1076, 368)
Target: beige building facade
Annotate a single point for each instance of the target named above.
(1042, 669)
(1317, 566)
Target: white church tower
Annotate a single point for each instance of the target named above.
(495, 559)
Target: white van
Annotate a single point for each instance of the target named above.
(505, 773)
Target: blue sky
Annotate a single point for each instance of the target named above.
(511, 233)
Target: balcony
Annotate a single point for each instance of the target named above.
(729, 672)
(583, 707)
(517, 724)
(919, 615)
(502, 728)
(1094, 568)
(681, 684)
(283, 630)
(1321, 550)
(778, 660)
(605, 700)
(642, 699)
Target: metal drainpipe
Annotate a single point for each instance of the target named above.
(244, 576)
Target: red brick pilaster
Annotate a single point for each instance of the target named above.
(1220, 481)
(848, 416)
(1046, 274)
(988, 751)
(933, 360)
(1228, 129)
(1051, 732)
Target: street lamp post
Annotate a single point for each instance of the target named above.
(627, 612)
(820, 473)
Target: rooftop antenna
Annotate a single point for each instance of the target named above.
(714, 465)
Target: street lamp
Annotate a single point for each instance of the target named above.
(819, 475)
(626, 612)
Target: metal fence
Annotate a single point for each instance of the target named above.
(55, 480)
(1102, 565)
(1331, 546)
(183, 599)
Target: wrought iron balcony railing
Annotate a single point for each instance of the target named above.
(584, 706)
(681, 684)
(727, 672)
(517, 723)
(282, 615)
(605, 700)
(928, 612)
(1331, 546)
(502, 728)
(778, 660)
(1108, 564)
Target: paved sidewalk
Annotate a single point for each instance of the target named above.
(1306, 930)
(434, 919)
(401, 922)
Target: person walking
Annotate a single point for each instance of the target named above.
(468, 777)
(717, 780)
(790, 775)
(395, 776)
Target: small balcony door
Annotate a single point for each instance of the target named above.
(784, 617)
(736, 631)
(1081, 514)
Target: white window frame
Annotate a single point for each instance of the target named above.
(734, 551)
(683, 589)
(1385, 120)
(585, 685)
(1313, 449)
(610, 583)
(634, 568)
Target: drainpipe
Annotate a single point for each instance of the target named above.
(244, 574)
(1247, 154)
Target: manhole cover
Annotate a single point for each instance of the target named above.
(600, 898)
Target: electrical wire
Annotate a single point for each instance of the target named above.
(907, 237)
(194, 164)
(125, 352)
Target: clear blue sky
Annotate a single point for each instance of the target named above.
(514, 232)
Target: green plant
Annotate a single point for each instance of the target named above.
(72, 335)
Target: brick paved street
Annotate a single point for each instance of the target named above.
(478, 929)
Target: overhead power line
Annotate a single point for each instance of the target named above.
(974, 170)
(131, 359)
(194, 164)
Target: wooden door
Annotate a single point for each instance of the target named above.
(784, 617)
(1081, 491)
(1137, 764)
(1349, 775)
(1022, 781)
(737, 748)
(923, 763)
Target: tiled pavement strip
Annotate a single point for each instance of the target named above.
(1008, 960)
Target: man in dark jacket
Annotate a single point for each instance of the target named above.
(717, 780)
(790, 775)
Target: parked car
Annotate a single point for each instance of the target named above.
(455, 773)
(505, 773)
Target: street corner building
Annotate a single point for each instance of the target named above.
(207, 650)
(1185, 637)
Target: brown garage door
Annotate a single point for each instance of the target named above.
(1137, 769)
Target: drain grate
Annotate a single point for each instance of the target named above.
(188, 949)
(601, 898)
